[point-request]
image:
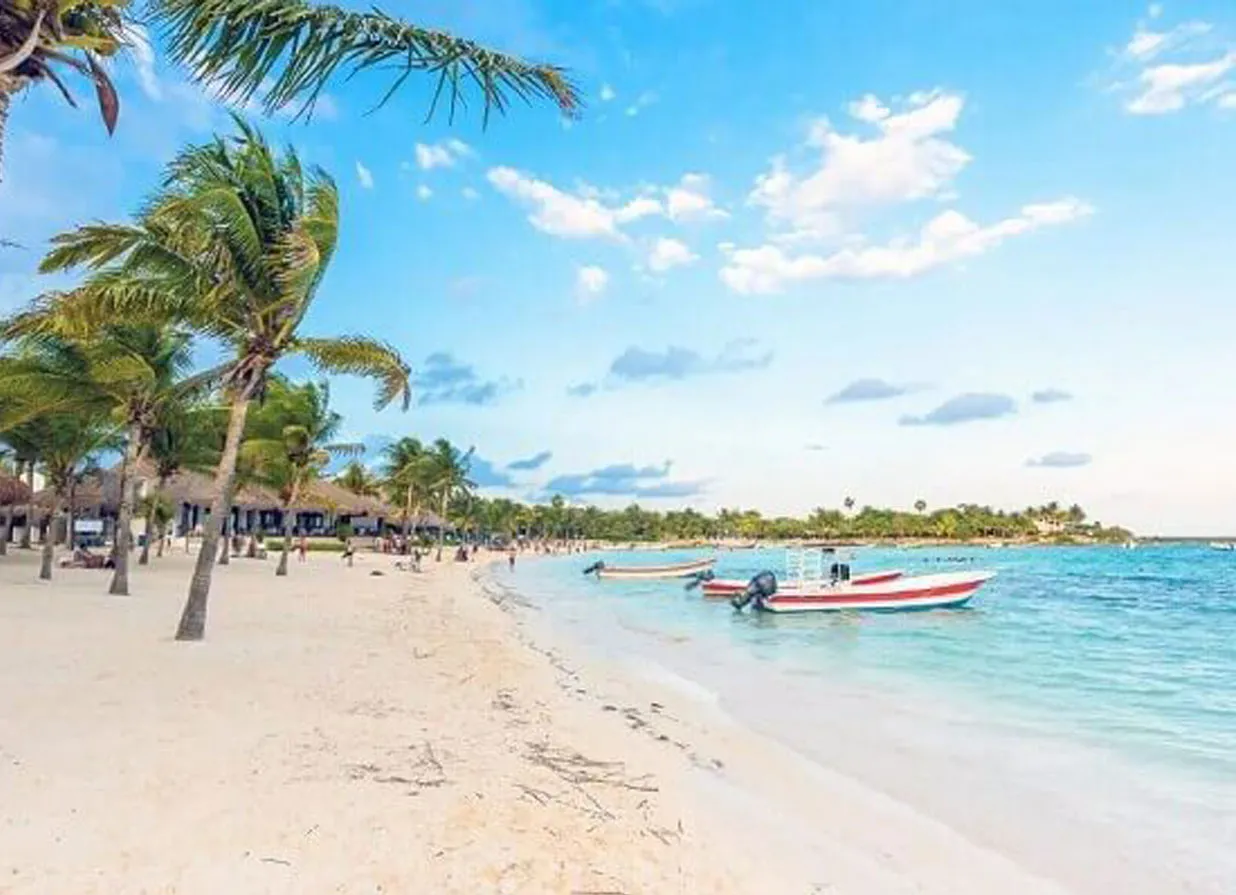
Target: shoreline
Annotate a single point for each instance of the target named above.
(342, 732)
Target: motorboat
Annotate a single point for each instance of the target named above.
(806, 588)
(728, 587)
(634, 573)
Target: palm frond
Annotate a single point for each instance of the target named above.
(290, 49)
(91, 245)
(361, 356)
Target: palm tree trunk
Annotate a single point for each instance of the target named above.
(407, 522)
(225, 554)
(282, 568)
(193, 619)
(442, 528)
(45, 568)
(70, 518)
(124, 518)
(25, 532)
(162, 539)
(4, 531)
(144, 558)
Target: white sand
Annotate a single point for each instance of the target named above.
(341, 733)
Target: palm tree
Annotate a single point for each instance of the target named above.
(234, 246)
(449, 468)
(47, 387)
(358, 479)
(18, 437)
(135, 369)
(290, 444)
(41, 38)
(920, 505)
(287, 49)
(406, 473)
(848, 503)
(185, 436)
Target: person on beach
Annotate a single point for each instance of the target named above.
(510, 558)
(348, 551)
(302, 547)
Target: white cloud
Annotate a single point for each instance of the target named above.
(423, 192)
(138, 40)
(441, 155)
(590, 282)
(908, 158)
(948, 237)
(326, 109)
(667, 253)
(589, 212)
(607, 93)
(470, 194)
(365, 176)
(689, 200)
(1227, 100)
(1145, 44)
(1170, 87)
(1162, 70)
(580, 215)
(642, 102)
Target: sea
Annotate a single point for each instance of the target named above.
(1078, 715)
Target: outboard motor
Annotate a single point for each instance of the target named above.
(839, 571)
(699, 578)
(595, 567)
(759, 589)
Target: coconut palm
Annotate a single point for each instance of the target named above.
(406, 478)
(138, 370)
(63, 429)
(186, 435)
(448, 469)
(290, 442)
(234, 247)
(358, 479)
(17, 436)
(286, 49)
(40, 39)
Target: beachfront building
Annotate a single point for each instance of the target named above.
(321, 511)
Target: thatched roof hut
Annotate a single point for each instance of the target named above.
(13, 491)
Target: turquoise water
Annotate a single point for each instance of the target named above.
(1096, 669)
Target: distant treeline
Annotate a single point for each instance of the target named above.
(557, 519)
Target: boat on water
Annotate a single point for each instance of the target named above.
(1223, 545)
(677, 570)
(728, 587)
(945, 590)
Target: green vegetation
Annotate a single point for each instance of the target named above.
(286, 50)
(557, 520)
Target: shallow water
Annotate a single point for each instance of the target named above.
(1093, 688)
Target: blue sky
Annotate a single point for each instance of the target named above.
(958, 250)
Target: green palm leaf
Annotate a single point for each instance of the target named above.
(290, 49)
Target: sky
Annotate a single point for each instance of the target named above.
(953, 250)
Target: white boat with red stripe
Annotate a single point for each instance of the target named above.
(677, 570)
(947, 590)
(721, 588)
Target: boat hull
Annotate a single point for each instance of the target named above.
(646, 573)
(943, 591)
(721, 588)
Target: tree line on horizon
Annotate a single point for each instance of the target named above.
(557, 520)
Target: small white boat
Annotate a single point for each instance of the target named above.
(677, 570)
(728, 587)
(945, 590)
(1223, 545)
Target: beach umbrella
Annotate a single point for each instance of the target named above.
(13, 491)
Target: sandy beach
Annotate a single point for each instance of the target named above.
(345, 732)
